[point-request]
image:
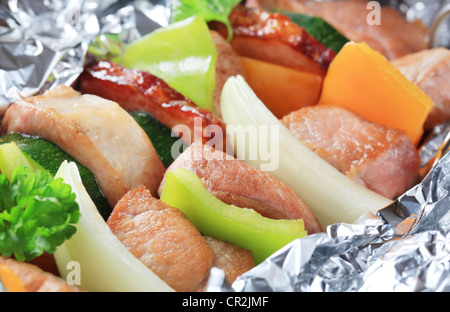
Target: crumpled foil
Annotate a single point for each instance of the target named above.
(44, 43)
(433, 13)
(404, 247)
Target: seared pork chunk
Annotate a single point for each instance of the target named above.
(231, 259)
(166, 242)
(34, 279)
(430, 71)
(274, 38)
(96, 132)
(393, 37)
(228, 64)
(237, 183)
(381, 158)
(136, 90)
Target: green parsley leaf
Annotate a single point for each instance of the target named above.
(209, 10)
(37, 213)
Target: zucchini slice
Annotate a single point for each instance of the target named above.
(161, 136)
(50, 157)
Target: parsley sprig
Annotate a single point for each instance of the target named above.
(209, 10)
(37, 213)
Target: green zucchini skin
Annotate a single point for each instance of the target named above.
(50, 157)
(160, 135)
(319, 29)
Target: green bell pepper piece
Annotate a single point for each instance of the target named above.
(11, 156)
(243, 227)
(183, 54)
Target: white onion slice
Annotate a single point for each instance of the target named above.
(331, 196)
(103, 263)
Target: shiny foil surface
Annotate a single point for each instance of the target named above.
(44, 43)
(404, 247)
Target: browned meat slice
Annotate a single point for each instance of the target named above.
(430, 71)
(47, 263)
(237, 183)
(137, 90)
(231, 259)
(394, 37)
(163, 239)
(228, 64)
(274, 38)
(36, 280)
(381, 158)
(96, 132)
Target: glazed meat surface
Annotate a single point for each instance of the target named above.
(137, 90)
(274, 38)
(381, 158)
(96, 132)
(237, 183)
(163, 239)
(430, 71)
(394, 37)
(34, 279)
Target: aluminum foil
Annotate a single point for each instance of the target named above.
(44, 43)
(404, 247)
(433, 13)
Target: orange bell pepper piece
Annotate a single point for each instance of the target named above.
(364, 81)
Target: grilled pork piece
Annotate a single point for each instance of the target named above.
(137, 90)
(381, 158)
(274, 38)
(430, 71)
(228, 64)
(166, 241)
(393, 37)
(34, 279)
(237, 183)
(96, 132)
